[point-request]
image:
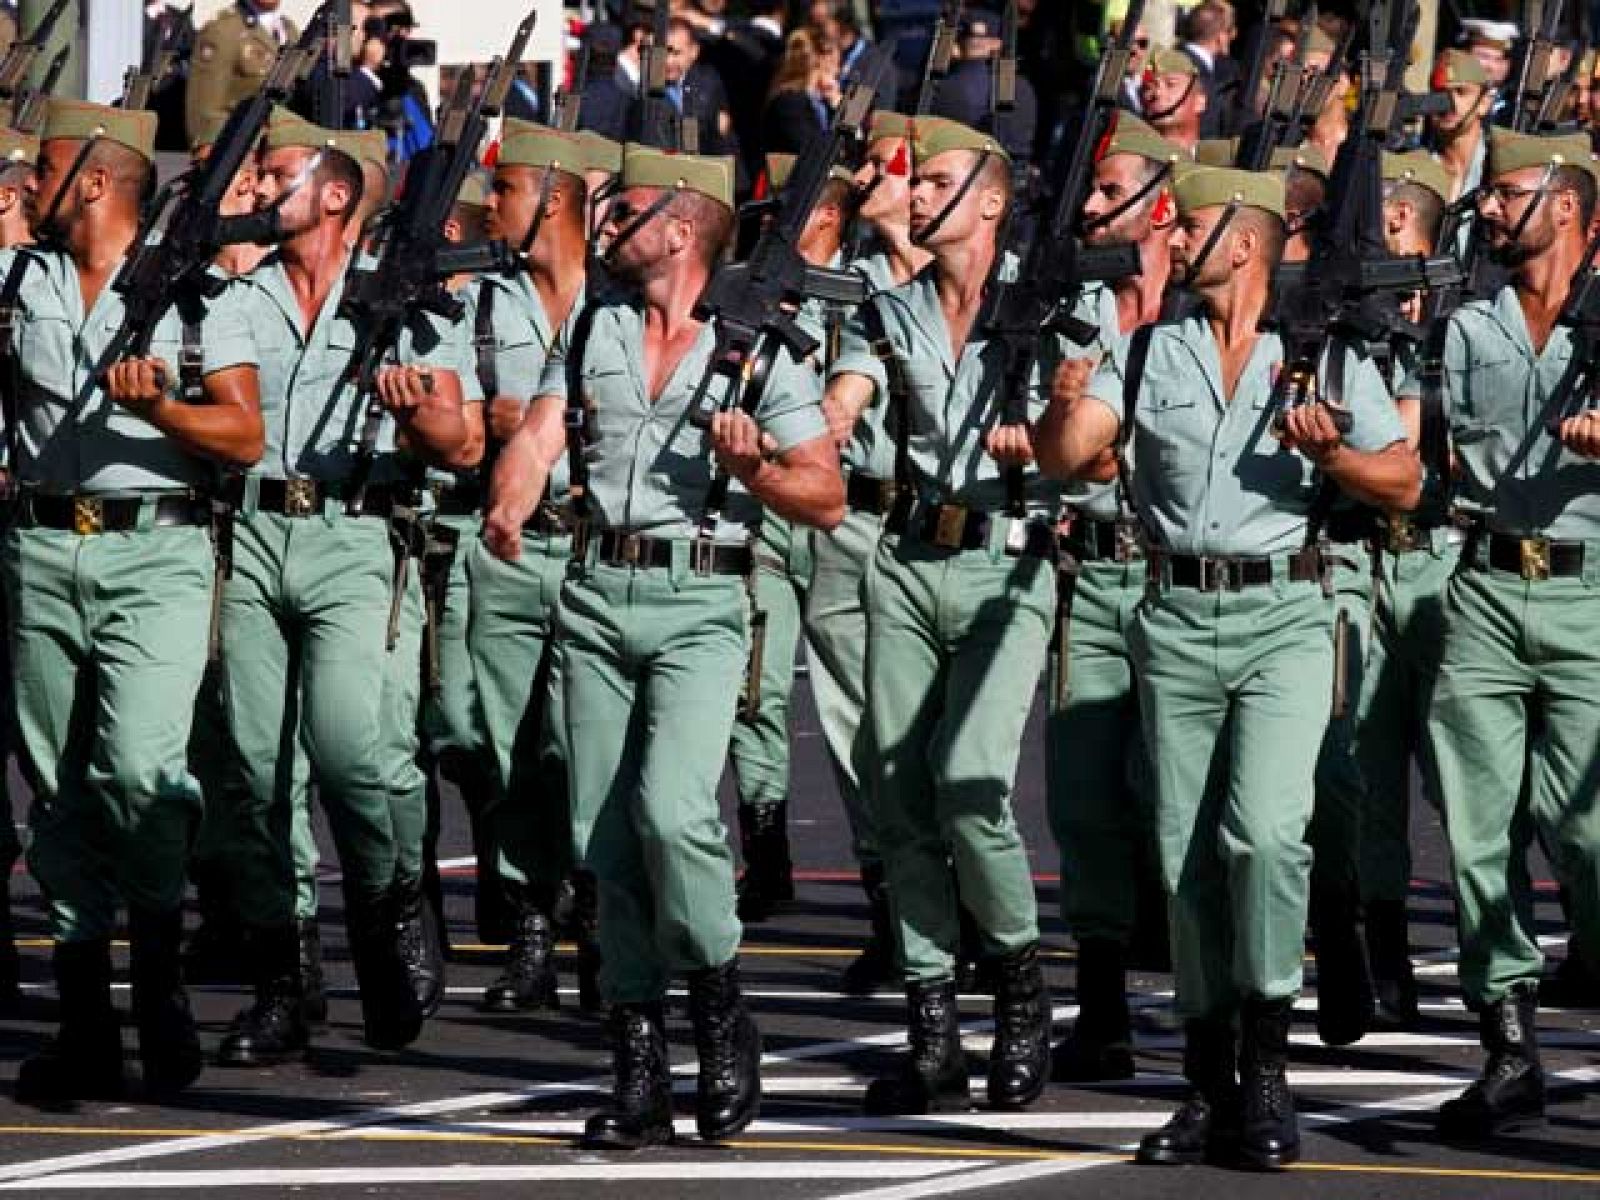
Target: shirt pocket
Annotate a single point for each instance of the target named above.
(46, 348)
(1170, 430)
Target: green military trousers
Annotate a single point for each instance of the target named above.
(304, 629)
(759, 750)
(10, 843)
(1097, 777)
(835, 620)
(1510, 645)
(400, 737)
(651, 665)
(515, 672)
(108, 637)
(452, 713)
(956, 642)
(1341, 795)
(1234, 688)
(1396, 696)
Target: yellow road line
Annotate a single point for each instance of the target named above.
(1486, 1173)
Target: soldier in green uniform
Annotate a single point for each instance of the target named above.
(1520, 616)
(1417, 555)
(307, 611)
(108, 575)
(233, 54)
(1460, 137)
(654, 624)
(1232, 644)
(538, 201)
(959, 603)
(1096, 769)
(18, 151)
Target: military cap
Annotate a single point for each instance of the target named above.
(1216, 152)
(781, 166)
(1511, 151)
(1454, 67)
(526, 144)
(474, 191)
(1303, 158)
(1418, 167)
(886, 124)
(1477, 31)
(287, 130)
(1206, 187)
(17, 147)
(369, 146)
(711, 176)
(1166, 61)
(932, 136)
(599, 153)
(78, 121)
(1130, 135)
(1320, 43)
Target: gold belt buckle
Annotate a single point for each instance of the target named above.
(630, 550)
(950, 526)
(887, 491)
(1535, 557)
(88, 515)
(299, 498)
(1402, 534)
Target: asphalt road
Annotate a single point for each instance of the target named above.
(484, 1106)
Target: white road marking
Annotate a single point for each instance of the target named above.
(993, 1177)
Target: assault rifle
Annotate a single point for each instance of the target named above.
(1280, 117)
(1244, 104)
(412, 257)
(333, 82)
(941, 49)
(29, 113)
(1532, 75)
(569, 100)
(19, 61)
(140, 82)
(1055, 263)
(661, 124)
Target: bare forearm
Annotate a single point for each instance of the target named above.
(1389, 479)
(808, 493)
(229, 434)
(1072, 441)
(522, 468)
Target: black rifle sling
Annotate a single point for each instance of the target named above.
(578, 414)
(192, 355)
(1133, 376)
(483, 341)
(1434, 442)
(10, 360)
(899, 398)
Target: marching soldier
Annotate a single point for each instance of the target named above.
(307, 611)
(1232, 647)
(959, 604)
(538, 200)
(1519, 614)
(653, 625)
(108, 572)
(1171, 98)
(233, 55)
(1096, 769)
(1460, 138)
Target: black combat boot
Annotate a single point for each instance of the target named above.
(1019, 1064)
(10, 960)
(420, 943)
(391, 1004)
(878, 964)
(1389, 950)
(84, 1060)
(641, 1097)
(1509, 1095)
(728, 1089)
(1100, 1046)
(933, 1077)
(273, 1029)
(1574, 983)
(313, 988)
(529, 978)
(215, 952)
(586, 936)
(767, 885)
(169, 1046)
(1206, 1126)
(1346, 1004)
(1269, 1137)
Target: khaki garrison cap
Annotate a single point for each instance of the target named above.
(1511, 151)
(1167, 61)
(1207, 187)
(287, 130)
(368, 146)
(933, 136)
(525, 144)
(474, 191)
(1304, 158)
(645, 166)
(1216, 152)
(17, 147)
(78, 121)
(781, 166)
(1457, 67)
(1418, 167)
(1133, 136)
(886, 124)
(599, 153)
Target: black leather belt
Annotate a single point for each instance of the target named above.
(1207, 574)
(621, 549)
(1352, 526)
(869, 494)
(1532, 557)
(112, 514)
(459, 499)
(1091, 540)
(310, 497)
(956, 527)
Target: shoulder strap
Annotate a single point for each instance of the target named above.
(1434, 443)
(483, 341)
(1327, 494)
(1133, 376)
(10, 362)
(577, 414)
(899, 392)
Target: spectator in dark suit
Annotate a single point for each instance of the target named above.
(804, 92)
(605, 101)
(1208, 41)
(747, 58)
(697, 91)
(968, 92)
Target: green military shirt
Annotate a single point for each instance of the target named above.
(1098, 307)
(871, 449)
(649, 467)
(72, 437)
(313, 416)
(1497, 393)
(954, 402)
(1213, 479)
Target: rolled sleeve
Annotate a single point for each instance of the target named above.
(856, 356)
(791, 412)
(1106, 386)
(225, 335)
(1374, 420)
